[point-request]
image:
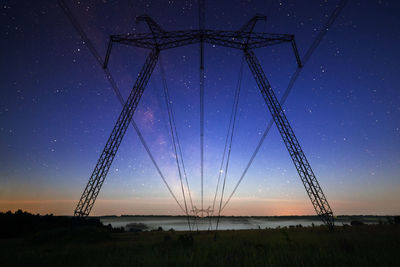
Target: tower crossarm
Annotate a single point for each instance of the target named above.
(299, 159)
(173, 39)
(99, 174)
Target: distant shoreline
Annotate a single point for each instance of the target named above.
(285, 217)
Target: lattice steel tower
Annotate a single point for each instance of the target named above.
(245, 40)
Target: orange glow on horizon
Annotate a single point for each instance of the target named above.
(165, 206)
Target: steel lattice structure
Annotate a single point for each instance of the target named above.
(99, 174)
(244, 39)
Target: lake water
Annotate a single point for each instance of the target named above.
(181, 223)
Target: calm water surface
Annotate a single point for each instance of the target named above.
(181, 223)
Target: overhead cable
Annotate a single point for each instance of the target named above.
(114, 86)
(339, 7)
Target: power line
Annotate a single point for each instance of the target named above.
(233, 120)
(339, 7)
(175, 138)
(114, 86)
(233, 111)
(201, 28)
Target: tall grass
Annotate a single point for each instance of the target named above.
(368, 245)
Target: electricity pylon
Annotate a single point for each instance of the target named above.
(197, 211)
(244, 39)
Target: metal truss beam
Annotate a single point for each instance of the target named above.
(173, 39)
(99, 174)
(300, 161)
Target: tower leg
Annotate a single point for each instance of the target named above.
(99, 174)
(300, 161)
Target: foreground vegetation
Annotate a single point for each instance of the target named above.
(95, 245)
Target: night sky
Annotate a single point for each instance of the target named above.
(57, 109)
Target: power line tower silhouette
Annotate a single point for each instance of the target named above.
(245, 40)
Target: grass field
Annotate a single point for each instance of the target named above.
(373, 245)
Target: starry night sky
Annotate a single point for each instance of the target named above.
(57, 109)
